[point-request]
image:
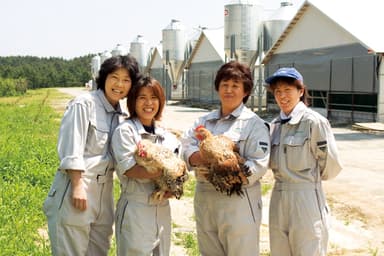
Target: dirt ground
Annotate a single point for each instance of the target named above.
(356, 198)
(356, 195)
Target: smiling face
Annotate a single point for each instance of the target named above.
(287, 96)
(117, 85)
(231, 93)
(147, 105)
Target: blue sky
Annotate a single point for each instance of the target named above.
(73, 28)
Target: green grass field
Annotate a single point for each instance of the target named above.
(28, 161)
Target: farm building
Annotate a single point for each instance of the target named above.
(206, 58)
(338, 53)
(156, 68)
(339, 56)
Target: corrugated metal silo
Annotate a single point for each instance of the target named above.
(138, 49)
(105, 55)
(174, 41)
(242, 26)
(119, 50)
(95, 65)
(277, 22)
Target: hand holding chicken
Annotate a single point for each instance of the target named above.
(224, 168)
(156, 157)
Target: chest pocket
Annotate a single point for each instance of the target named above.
(275, 147)
(97, 138)
(238, 138)
(297, 152)
(274, 157)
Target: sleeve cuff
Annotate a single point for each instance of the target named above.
(124, 165)
(72, 163)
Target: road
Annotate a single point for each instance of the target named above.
(356, 195)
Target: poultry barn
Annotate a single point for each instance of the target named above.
(339, 57)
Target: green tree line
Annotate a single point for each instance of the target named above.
(49, 72)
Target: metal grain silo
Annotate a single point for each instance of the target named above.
(242, 26)
(95, 65)
(119, 50)
(138, 49)
(105, 55)
(277, 22)
(174, 41)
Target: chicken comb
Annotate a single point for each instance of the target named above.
(141, 151)
(199, 126)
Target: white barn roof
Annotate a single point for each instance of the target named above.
(156, 58)
(209, 47)
(327, 23)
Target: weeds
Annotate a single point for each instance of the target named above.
(189, 241)
(189, 186)
(28, 161)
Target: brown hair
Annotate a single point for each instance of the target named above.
(305, 98)
(236, 71)
(146, 81)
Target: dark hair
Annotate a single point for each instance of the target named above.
(146, 81)
(112, 64)
(236, 71)
(305, 98)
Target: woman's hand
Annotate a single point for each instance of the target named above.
(79, 195)
(154, 174)
(140, 172)
(195, 159)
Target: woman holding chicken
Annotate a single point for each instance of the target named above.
(142, 227)
(229, 225)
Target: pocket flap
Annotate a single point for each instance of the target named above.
(296, 140)
(52, 192)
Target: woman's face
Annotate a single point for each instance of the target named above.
(231, 94)
(287, 96)
(147, 105)
(117, 85)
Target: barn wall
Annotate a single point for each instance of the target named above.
(344, 80)
(380, 105)
(200, 82)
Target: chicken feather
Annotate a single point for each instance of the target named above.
(156, 157)
(224, 168)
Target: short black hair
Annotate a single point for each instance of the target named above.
(306, 99)
(112, 64)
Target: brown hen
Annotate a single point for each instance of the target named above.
(156, 157)
(225, 168)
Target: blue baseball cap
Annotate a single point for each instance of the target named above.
(285, 72)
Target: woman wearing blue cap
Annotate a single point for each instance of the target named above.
(303, 153)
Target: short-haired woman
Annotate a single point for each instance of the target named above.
(79, 206)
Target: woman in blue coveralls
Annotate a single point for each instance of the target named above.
(230, 225)
(142, 228)
(79, 206)
(303, 153)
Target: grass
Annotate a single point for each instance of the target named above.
(189, 241)
(189, 186)
(28, 161)
(29, 126)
